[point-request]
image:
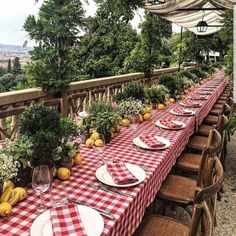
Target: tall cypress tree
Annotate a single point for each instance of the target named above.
(16, 70)
(9, 66)
(55, 31)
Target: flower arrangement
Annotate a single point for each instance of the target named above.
(130, 107)
(8, 167)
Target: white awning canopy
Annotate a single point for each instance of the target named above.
(185, 13)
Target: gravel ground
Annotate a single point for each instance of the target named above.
(226, 208)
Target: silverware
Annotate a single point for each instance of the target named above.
(102, 212)
(96, 187)
(115, 190)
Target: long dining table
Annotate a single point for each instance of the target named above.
(128, 211)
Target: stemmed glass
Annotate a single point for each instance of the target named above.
(41, 180)
(134, 123)
(98, 147)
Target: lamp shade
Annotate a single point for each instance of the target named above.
(202, 26)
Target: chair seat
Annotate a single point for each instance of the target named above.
(223, 97)
(178, 188)
(220, 101)
(211, 120)
(204, 130)
(189, 161)
(197, 142)
(218, 106)
(215, 111)
(157, 225)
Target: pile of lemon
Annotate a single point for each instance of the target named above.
(64, 173)
(10, 196)
(94, 140)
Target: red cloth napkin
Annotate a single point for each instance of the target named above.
(66, 221)
(191, 104)
(151, 141)
(199, 97)
(169, 124)
(181, 111)
(120, 174)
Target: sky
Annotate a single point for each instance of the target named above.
(14, 12)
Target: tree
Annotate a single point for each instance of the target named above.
(109, 40)
(16, 70)
(7, 82)
(151, 50)
(56, 31)
(9, 66)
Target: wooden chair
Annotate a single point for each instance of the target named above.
(203, 212)
(191, 162)
(198, 142)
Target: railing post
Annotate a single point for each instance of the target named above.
(3, 125)
(65, 104)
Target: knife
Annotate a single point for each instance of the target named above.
(102, 212)
(115, 191)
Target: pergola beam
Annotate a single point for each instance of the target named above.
(202, 9)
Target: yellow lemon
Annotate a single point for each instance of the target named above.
(147, 116)
(149, 108)
(72, 162)
(125, 122)
(22, 193)
(63, 173)
(160, 106)
(182, 97)
(99, 143)
(5, 209)
(89, 142)
(6, 184)
(78, 159)
(144, 110)
(95, 136)
(140, 117)
(172, 100)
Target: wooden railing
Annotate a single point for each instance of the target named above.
(73, 100)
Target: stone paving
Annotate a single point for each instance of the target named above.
(226, 208)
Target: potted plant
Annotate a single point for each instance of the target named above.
(8, 168)
(22, 150)
(156, 94)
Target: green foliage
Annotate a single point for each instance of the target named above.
(103, 122)
(134, 90)
(199, 74)
(169, 82)
(101, 105)
(16, 69)
(39, 118)
(9, 66)
(156, 94)
(7, 82)
(151, 49)
(20, 148)
(108, 42)
(232, 124)
(129, 107)
(229, 59)
(56, 30)
(226, 32)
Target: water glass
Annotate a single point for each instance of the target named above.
(58, 194)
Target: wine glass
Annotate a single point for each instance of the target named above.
(134, 123)
(98, 147)
(41, 180)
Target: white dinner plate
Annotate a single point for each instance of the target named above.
(186, 105)
(186, 110)
(174, 121)
(104, 176)
(92, 221)
(137, 141)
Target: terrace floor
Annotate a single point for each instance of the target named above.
(226, 209)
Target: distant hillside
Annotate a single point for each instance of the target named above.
(14, 49)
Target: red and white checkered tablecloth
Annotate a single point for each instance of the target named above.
(128, 212)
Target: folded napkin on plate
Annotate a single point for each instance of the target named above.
(170, 124)
(66, 221)
(151, 141)
(191, 104)
(120, 174)
(199, 97)
(182, 111)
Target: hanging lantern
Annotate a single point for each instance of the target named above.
(202, 26)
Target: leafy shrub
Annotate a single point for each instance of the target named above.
(156, 94)
(130, 106)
